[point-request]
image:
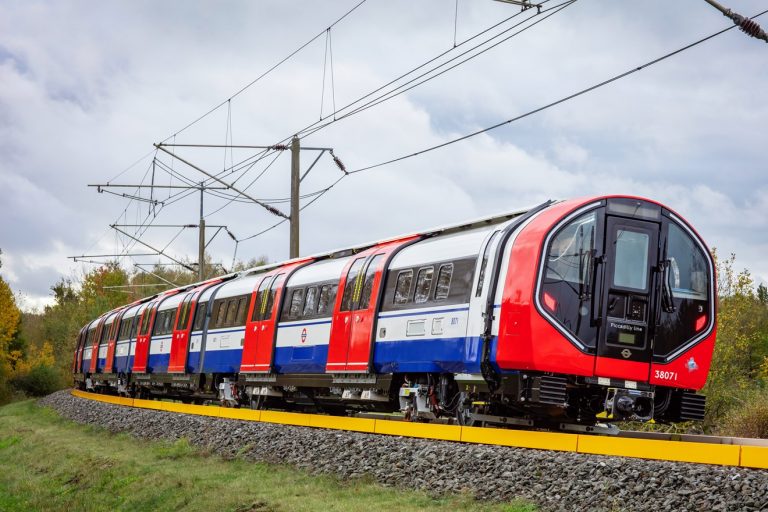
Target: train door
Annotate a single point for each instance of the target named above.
(630, 282)
(261, 326)
(341, 325)
(95, 346)
(177, 362)
(77, 362)
(253, 325)
(109, 363)
(143, 333)
(351, 345)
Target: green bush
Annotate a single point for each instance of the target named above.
(750, 418)
(41, 380)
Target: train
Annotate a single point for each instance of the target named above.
(571, 314)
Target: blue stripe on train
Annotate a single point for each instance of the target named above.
(222, 361)
(124, 364)
(456, 355)
(309, 359)
(158, 363)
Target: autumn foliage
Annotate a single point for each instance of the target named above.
(36, 347)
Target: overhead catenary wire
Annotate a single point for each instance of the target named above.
(318, 196)
(554, 103)
(416, 81)
(389, 95)
(519, 117)
(268, 71)
(232, 96)
(246, 187)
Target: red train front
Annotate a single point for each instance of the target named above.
(618, 313)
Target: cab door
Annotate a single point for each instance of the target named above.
(354, 320)
(628, 300)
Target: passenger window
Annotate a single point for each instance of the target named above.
(261, 298)
(242, 310)
(297, 298)
(231, 312)
(370, 274)
(443, 281)
(124, 326)
(105, 333)
(423, 284)
(200, 311)
(220, 313)
(403, 286)
(311, 302)
(327, 299)
(158, 323)
(352, 285)
(157, 328)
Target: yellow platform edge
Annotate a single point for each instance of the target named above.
(422, 430)
(754, 457)
(520, 438)
(678, 451)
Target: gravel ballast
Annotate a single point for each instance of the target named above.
(552, 480)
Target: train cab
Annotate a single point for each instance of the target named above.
(623, 297)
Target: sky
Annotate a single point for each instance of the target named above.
(87, 88)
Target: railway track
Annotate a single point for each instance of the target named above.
(701, 449)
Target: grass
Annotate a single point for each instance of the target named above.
(49, 463)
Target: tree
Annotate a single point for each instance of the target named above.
(742, 341)
(10, 318)
(762, 294)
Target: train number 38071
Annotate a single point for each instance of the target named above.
(664, 375)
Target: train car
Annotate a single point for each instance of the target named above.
(570, 313)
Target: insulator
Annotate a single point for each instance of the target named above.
(750, 27)
(339, 164)
(278, 147)
(747, 25)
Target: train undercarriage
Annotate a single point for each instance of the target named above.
(520, 400)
